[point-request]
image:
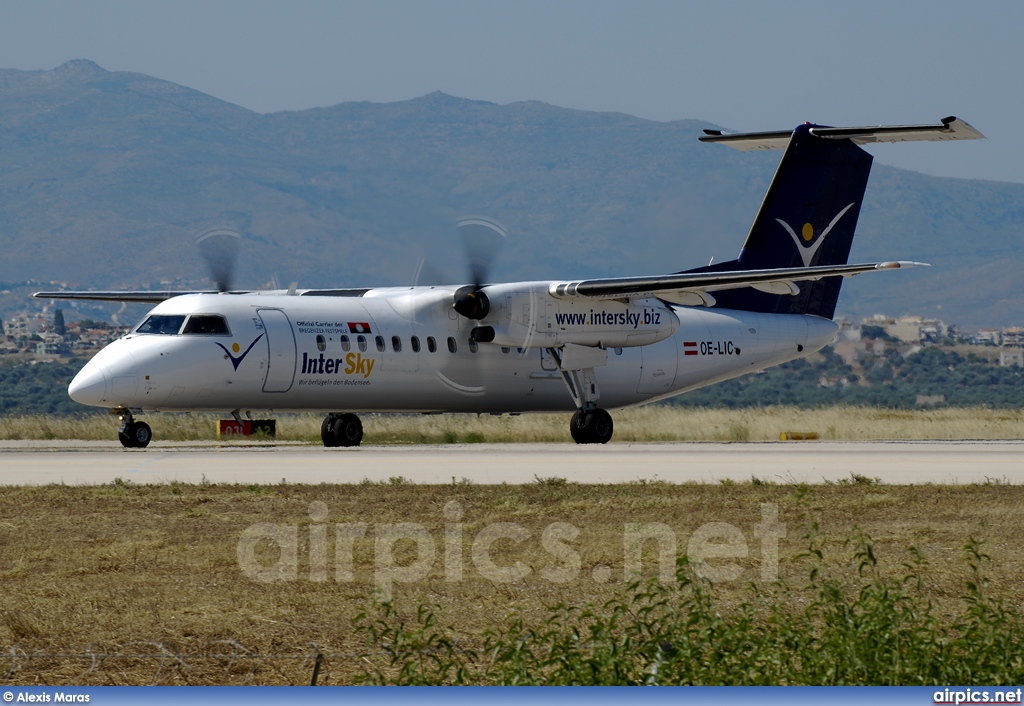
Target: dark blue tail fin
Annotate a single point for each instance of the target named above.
(808, 217)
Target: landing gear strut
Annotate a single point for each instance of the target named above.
(590, 424)
(133, 434)
(341, 430)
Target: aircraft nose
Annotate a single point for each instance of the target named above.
(89, 386)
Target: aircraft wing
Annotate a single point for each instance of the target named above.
(150, 297)
(951, 128)
(141, 297)
(694, 288)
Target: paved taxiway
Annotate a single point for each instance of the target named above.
(75, 463)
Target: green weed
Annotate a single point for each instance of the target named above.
(879, 631)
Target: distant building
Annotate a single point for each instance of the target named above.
(905, 328)
(933, 331)
(914, 329)
(52, 344)
(1013, 336)
(98, 337)
(1011, 356)
(17, 328)
(988, 337)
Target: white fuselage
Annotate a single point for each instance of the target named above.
(339, 353)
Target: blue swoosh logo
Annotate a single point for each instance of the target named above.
(238, 361)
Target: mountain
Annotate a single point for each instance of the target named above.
(105, 177)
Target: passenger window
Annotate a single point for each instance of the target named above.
(473, 346)
(505, 349)
(415, 341)
(361, 342)
(162, 324)
(345, 345)
(396, 343)
(431, 344)
(379, 340)
(452, 345)
(207, 324)
(618, 350)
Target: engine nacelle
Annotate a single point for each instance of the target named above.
(536, 319)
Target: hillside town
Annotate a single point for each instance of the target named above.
(49, 337)
(873, 336)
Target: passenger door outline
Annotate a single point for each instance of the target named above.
(282, 350)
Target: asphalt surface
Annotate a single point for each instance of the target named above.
(83, 463)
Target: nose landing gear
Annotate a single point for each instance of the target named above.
(133, 434)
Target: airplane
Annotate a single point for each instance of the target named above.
(580, 346)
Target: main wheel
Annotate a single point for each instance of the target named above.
(576, 428)
(348, 430)
(598, 426)
(136, 435)
(327, 431)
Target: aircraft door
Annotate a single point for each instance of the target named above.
(658, 367)
(281, 350)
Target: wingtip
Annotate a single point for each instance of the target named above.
(900, 264)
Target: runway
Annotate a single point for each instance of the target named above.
(85, 463)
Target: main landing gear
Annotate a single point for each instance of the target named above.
(133, 434)
(341, 430)
(593, 427)
(590, 424)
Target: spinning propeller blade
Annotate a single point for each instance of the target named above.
(220, 250)
(482, 239)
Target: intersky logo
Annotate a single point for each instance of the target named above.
(235, 347)
(806, 249)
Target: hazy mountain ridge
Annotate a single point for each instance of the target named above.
(106, 176)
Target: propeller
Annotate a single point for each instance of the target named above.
(220, 249)
(427, 274)
(482, 239)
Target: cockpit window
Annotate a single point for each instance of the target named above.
(162, 324)
(207, 324)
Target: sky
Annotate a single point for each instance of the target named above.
(744, 66)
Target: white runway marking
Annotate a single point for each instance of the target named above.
(84, 463)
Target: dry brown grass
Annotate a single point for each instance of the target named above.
(124, 584)
(650, 423)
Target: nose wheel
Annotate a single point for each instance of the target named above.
(341, 430)
(133, 434)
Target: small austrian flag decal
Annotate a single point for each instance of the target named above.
(689, 348)
(358, 327)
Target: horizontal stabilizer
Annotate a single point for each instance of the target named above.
(951, 128)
